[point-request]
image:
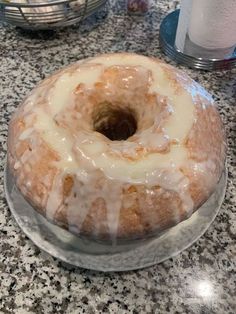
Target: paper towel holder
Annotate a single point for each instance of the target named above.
(167, 37)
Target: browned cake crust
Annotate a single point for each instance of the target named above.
(143, 208)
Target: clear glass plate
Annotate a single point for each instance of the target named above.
(104, 257)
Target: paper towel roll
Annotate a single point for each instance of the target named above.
(183, 23)
(212, 23)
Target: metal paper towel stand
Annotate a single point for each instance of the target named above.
(167, 42)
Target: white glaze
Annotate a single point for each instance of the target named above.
(62, 93)
(54, 200)
(89, 154)
(78, 211)
(181, 106)
(26, 134)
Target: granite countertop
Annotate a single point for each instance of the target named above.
(199, 280)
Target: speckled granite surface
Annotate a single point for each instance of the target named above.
(199, 280)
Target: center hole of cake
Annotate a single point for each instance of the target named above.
(115, 122)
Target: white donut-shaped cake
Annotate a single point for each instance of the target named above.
(120, 146)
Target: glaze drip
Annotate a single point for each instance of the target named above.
(115, 124)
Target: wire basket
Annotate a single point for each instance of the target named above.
(47, 14)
